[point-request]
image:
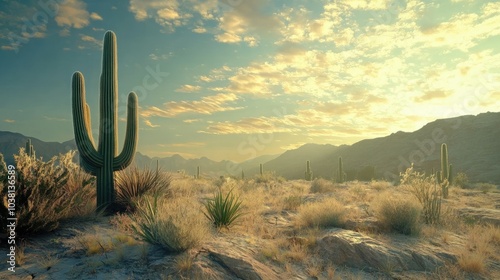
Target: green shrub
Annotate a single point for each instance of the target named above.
(175, 225)
(461, 180)
(132, 183)
(47, 192)
(397, 215)
(223, 209)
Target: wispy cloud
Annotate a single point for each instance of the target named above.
(188, 88)
(9, 121)
(73, 13)
(93, 41)
(149, 124)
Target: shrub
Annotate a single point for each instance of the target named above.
(398, 215)
(485, 187)
(222, 210)
(326, 213)
(46, 192)
(426, 191)
(321, 186)
(461, 180)
(132, 183)
(176, 225)
(292, 202)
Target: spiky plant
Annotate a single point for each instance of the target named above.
(308, 173)
(102, 160)
(223, 209)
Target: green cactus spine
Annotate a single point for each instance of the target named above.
(104, 159)
(261, 169)
(30, 151)
(340, 172)
(308, 173)
(444, 176)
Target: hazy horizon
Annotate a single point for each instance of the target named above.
(250, 78)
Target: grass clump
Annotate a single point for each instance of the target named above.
(176, 225)
(133, 183)
(223, 209)
(46, 192)
(402, 216)
(426, 190)
(323, 214)
(321, 185)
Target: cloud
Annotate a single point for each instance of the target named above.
(433, 94)
(206, 106)
(149, 124)
(188, 88)
(187, 145)
(9, 121)
(95, 16)
(92, 40)
(73, 13)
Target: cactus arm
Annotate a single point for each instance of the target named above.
(81, 128)
(128, 152)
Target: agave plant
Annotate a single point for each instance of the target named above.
(223, 209)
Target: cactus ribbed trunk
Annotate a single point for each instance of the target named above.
(445, 174)
(104, 160)
(308, 173)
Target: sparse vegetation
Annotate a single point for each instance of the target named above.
(223, 209)
(176, 224)
(323, 214)
(321, 185)
(399, 215)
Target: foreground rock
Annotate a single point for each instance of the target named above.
(354, 249)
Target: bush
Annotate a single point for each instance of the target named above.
(46, 192)
(461, 180)
(176, 225)
(397, 215)
(321, 186)
(132, 183)
(326, 213)
(427, 192)
(485, 187)
(222, 210)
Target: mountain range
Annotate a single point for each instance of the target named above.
(473, 147)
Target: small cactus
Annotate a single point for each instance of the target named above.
(308, 173)
(242, 175)
(261, 169)
(30, 151)
(197, 176)
(341, 176)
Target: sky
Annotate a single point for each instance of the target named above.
(236, 79)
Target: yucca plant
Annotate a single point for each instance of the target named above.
(133, 182)
(223, 209)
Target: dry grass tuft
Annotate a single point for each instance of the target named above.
(397, 214)
(323, 214)
(321, 185)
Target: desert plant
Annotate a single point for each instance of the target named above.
(261, 169)
(461, 180)
(426, 191)
(485, 187)
(323, 214)
(308, 173)
(197, 176)
(341, 175)
(223, 209)
(321, 185)
(399, 215)
(103, 160)
(176, 225)
(242, 175)
(133, 182)
(30, 151)
(46, 192)
(444, 176)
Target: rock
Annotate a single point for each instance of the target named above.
(490, 216)
(243, 267)
(354, 249)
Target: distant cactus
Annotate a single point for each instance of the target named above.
(444, 176)
(104, 159)
(242, 175)
(261, 169)
(30, 151)
(308, 173)
(341, 176)
(197, 176)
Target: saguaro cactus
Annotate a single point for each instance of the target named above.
(261, 169)
(308, 173)
(104, 159)
(242, 175)
(197, 172)
(30, 151)
(444, 176)
(340, 172)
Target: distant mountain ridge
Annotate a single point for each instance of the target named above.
(473, 147)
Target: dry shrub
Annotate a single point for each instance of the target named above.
(47, 192)
(323, 214)
(321, 185)
(380, 185)
(176, 225)
(482, 245)
(133, 183)
(399, 215)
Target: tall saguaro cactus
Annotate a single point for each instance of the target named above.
(104, 159)
(30, 151)
(340, 172)
(444, 176)
(261, 167)
(308, 173)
